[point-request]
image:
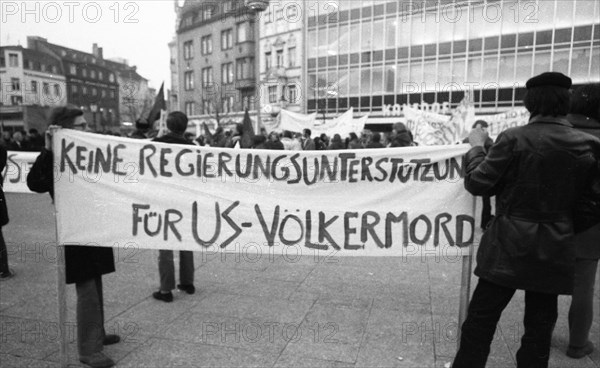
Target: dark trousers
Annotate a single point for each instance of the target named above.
(166, 269)
(485, 309)
(3, 254)
(90, 316)
(581, 313)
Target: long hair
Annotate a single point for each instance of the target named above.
(547, 100)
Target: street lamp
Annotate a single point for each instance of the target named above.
(94, 109)
(257, 6)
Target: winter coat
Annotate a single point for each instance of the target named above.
(537, 173)
(587, 241)
(3, 208)
(82, 262)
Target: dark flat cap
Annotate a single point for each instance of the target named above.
(549, 79)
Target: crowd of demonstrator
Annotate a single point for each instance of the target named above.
(543, 239)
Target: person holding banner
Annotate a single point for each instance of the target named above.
(85, 265)
(177, 123)
(585, 116)
(537, 173)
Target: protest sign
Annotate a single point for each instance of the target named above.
(18, 165)
(387, 202)
(429, 128)
(295, 122)
(500, 122)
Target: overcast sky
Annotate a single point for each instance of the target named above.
(138, 31)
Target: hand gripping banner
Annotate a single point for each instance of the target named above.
(113, 191)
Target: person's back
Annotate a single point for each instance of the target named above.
(538, 173)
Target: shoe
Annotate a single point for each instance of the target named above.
(190, 289)
(111, 339)
(6, 275)
(168, 297)
(97, 360)
(578, 353)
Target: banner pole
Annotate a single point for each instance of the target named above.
(60, 279)
(465, 281)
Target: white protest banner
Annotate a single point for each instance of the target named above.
(342, 125)
(500, 122)
(429, 128)
(112, 191)
(292, 121)
(18, 165)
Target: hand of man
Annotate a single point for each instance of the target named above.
(477, 137)
(49, 132)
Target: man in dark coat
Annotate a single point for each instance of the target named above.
(85, 265)
(177, 123)
(537, 173)
(5, 272)
(142, 127)
(585, 116)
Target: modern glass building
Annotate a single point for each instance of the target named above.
(378, 55)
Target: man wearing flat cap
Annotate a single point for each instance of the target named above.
(537, 173)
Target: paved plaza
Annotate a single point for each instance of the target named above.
(248, 312)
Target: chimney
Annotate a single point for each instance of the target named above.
(97, 51)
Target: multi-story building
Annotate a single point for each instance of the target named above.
(31, 82)
(91, 82)
(216, 47)
(281, 57)
(377, 56)
(135, 95)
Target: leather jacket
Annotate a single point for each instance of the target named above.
(537, 173)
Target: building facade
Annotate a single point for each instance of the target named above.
(135, 95)
(281, 57)
(91, 83)
(377, 56)
(31, 83)
(215, 58)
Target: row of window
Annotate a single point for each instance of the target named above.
(208, 11)
(279, 58)
(223, 104)
(13, 62)
(56, 88)
(244, 32)
(244, 70)
(92, 73)
(93, 91)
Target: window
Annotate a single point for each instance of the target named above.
(112, 93)
(188, 80)
(227, 73)
(206, 106)
(268, 63)
(292, 93)
(29, 64)
(244, 32)
(2, 61)
(207, 77)
(34, 86)
(57, 90)
(272, 94)
(189, 108)
(16, 100)
(103, 93)
(72, 69)
(73, 88)
(54, 70)
(111, 77)
(94, 91)
(84, 90)
(93, 74)
(279, 58)
(292, 57)
(188, 50)
(16, 84)
(226, 39)
(227, 104)
(245, 68)
(13, 60)
(100, 75)
(84, 72)
(43, 67)
(207, 46)
(207, 11)
(46, 88)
